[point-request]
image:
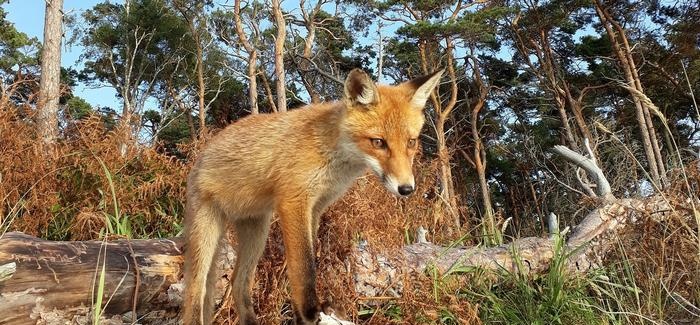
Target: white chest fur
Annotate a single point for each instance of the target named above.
(345, 165)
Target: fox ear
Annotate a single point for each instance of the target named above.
(360, 89)
(422, 87)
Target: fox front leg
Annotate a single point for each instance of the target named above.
(297, 230)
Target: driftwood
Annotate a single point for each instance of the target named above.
(53, 282)
(45, 282)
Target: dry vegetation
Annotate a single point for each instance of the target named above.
(66, 193)
(659, 261)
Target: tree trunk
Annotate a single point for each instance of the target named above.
(185, 110)
(54, 282)
(447, 197)
(546, 55)
(279, 55)
(492, 235)
(442, 113)
(649, 139)
(201, 87)
(647, 116)
(49, 87)
(380, 54)
(268, 92)
(197, 25)
(252, 59)
(576, 107)
(570, 140)
(253, 82)
(310, 22)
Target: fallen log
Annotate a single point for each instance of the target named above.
(587, 245)
(56, 282)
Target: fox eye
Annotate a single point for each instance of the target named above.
(412, 143)
(378, 143)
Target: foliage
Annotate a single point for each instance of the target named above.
(131, 46)
(77, 108)
(16, 48)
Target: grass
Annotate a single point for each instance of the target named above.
(516, 298)
(85, 183)
(99, 287)
(649, 278)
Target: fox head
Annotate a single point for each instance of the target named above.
(384, 123)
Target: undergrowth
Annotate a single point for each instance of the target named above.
(73, 191)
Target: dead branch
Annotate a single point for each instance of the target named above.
(591, 168)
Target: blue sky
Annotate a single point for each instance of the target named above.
(28, 17)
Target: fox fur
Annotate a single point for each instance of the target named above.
(294, 164)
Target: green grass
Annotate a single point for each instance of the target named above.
(606, 296)
(550, 298)
(609, 295)
(97, 296)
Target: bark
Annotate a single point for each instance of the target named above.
(380, 54)
(281, 26)
(252, 59)
(493, 236)
(310, 24)
(129, 79)
(590, 166)
(548, 74)
(201, 87)
(546, 57)
(185, 109)
(564, 117)
(52, 282)
(447, 197)
(197, 26)
(576, 106)
(442, 112)
(647, 116)
(622, 50)
(49, 87)
(268, 92)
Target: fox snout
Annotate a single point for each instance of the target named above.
(400, 185)
(400, 188)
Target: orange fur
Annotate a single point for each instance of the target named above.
(294, 164)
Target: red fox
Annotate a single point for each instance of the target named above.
(294, 164)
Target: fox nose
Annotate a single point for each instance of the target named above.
(405, 189)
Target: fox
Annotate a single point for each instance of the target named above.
(293, 164)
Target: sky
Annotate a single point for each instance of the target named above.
(28, 17)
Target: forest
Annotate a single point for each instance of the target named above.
(557, 178)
